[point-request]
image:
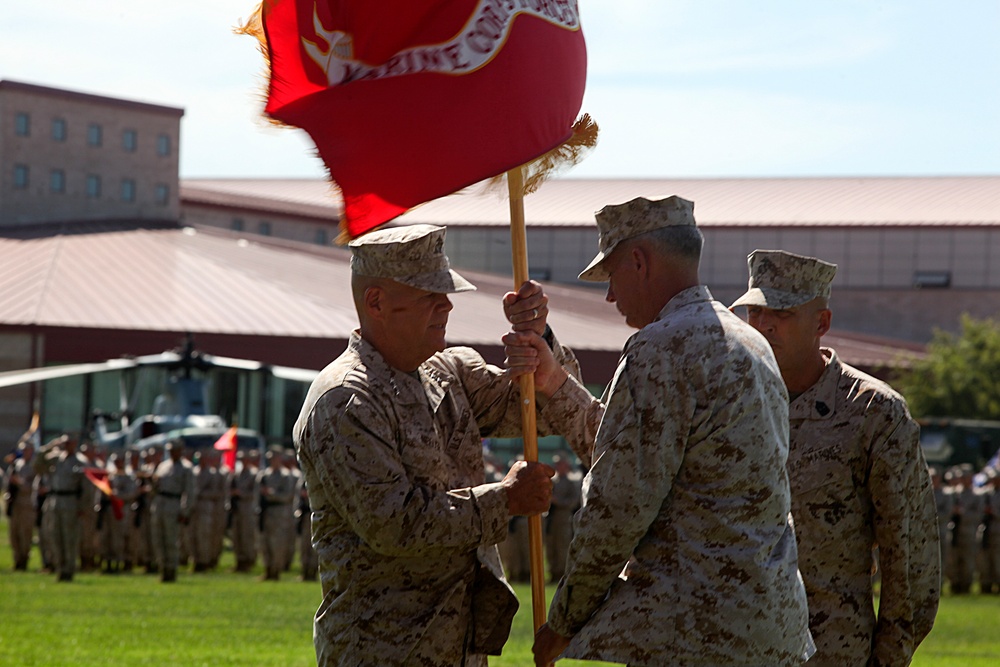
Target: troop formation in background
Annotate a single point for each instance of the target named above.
(969, 527)
(160, 510)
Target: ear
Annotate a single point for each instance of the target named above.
(640, 259)
(374, 301)
(823, 322)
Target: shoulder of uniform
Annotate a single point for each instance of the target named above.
(873, 391)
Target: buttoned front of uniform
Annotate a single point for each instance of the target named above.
(859, 480)
(404, 524)
(687, 487)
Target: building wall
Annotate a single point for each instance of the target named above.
(261, 223)
(15, 402)
(876, 289)
(155, 176)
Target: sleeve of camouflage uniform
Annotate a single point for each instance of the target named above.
(635, 461)
(394, 515)
(190, 491)
(906, 531)
(496, 400)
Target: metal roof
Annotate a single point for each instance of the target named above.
(845, 201)
(209, 280)
(169, 278)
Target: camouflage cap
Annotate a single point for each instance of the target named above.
(781, 280)
(620, 222)
(412, 255)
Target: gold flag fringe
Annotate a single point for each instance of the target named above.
(254, 27)
(567, 155)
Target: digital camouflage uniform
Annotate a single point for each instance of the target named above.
(243, 492)
(566, 490)
(942, 504)
(67, 499)
(20, 509)
(116, 531)
(688, 486)
(404, 525)
(405, 528)
(208, 515)
(989, 570)
(968, 505)
(859, 482)
(174, 497)
(276, 495)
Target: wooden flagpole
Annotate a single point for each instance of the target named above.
(519, 252)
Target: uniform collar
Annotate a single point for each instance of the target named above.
(684, 298)
(429, 385)
(819, 401)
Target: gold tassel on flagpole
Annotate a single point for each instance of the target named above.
(568, 154)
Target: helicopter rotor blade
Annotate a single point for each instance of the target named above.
(283, 372)
(294, 374)
(27, 376)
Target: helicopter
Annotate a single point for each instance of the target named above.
(180, 412)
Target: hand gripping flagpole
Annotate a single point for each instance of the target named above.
(519, 252)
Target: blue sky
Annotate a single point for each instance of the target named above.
(680, 88)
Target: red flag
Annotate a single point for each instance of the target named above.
(99, 478)
(410, 100)
(227, 444)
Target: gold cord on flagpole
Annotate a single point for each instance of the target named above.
(519, 252)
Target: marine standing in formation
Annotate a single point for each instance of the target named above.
(858, 476)
(175, 495)
(66, 501)
(21, 504)
(275, 498)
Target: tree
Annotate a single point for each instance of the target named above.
(960, 376)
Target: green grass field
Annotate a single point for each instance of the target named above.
(220, 618)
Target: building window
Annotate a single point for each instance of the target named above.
(236, 225)
(128, 189)
(264, 228)
(130, 140)
(20, 177)
(163, 145)
(931, 279)
(321, 237)
(93, 186)
(22, 124)
(58, 129)
(57, 181)
(162, 194)
(95, 135)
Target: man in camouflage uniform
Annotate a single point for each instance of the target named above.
(989, 570)
(276, 495)
(308, 557)
(858, 475)
(566, 490)
(687, 489)
(942, 505)
(967, 507)
(389, 440)
(20, 505)
(174, 496)
(206, 519)
(242, 495)
(68, 498)
(115, 529)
